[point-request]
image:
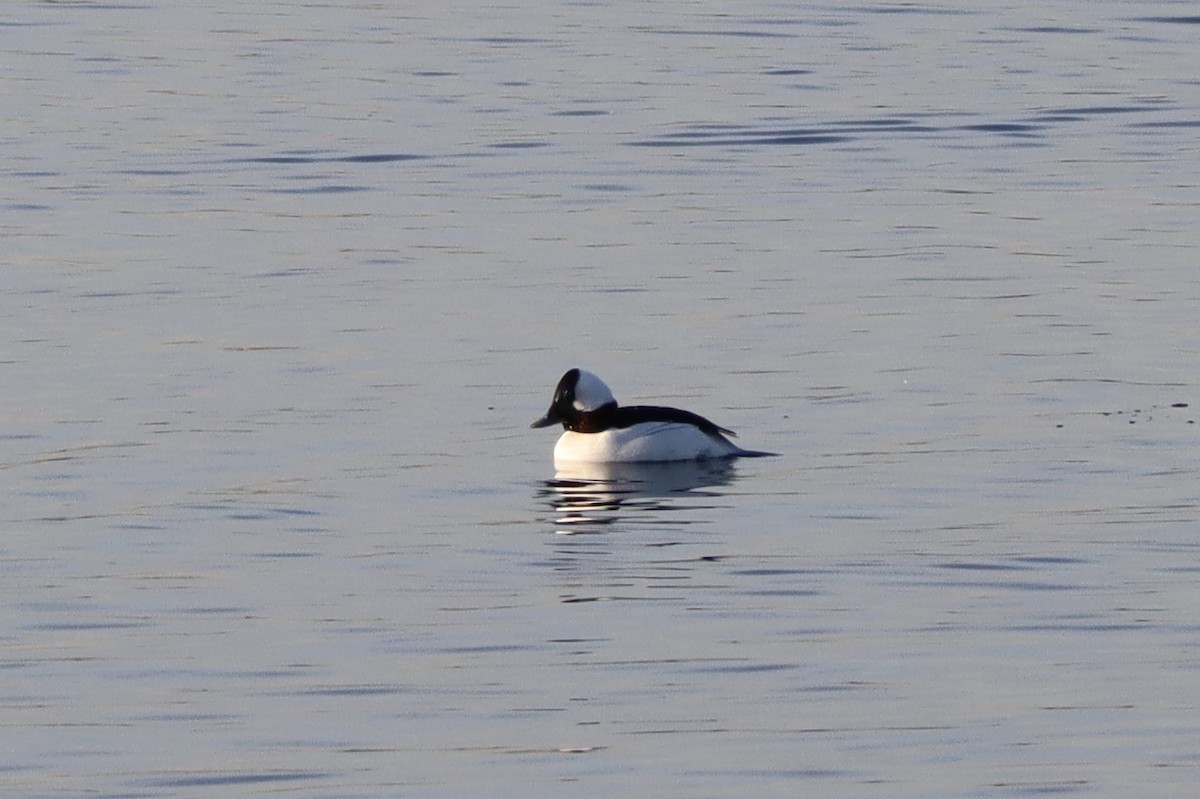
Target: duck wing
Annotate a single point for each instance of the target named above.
(628, 416)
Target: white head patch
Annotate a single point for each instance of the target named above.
(591, 392)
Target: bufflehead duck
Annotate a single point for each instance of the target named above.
(597, 430)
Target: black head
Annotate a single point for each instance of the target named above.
(580, 400)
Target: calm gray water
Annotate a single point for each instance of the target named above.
(283, 285)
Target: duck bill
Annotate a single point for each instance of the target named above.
(546, 420)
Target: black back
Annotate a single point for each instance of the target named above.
(637, 414)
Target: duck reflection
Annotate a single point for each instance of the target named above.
(587, 497)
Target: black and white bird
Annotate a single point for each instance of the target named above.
(598, 430)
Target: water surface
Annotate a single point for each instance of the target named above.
(284, 286)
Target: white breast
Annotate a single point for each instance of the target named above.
(642, 443)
